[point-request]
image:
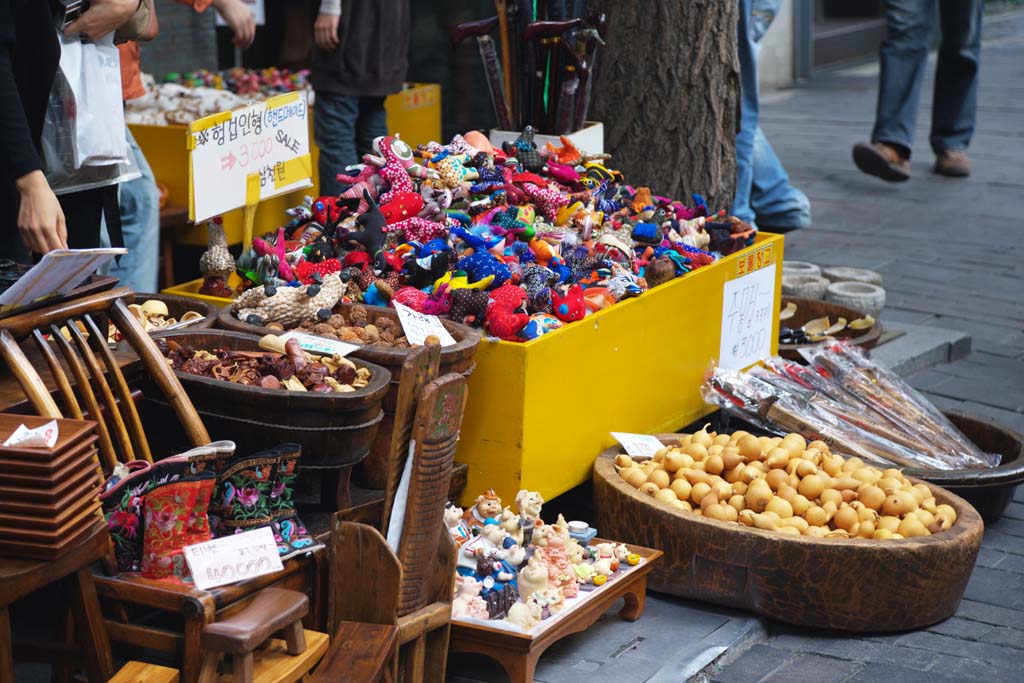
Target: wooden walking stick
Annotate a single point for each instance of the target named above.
(501, 8)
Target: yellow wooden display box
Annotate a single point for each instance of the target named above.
(540, 412)
(415, 113)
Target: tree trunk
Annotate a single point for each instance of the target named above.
(667, 89)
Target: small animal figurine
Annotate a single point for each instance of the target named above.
(487, 505)
(525, 150)
(570, 306)
(467, 601)
(216, 264)
(456, 525)
(561, 575)
(533, 578)
(526, 614)
(529, 505)
(510, 523)
(606, 563)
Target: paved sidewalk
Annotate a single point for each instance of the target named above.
(952, 255)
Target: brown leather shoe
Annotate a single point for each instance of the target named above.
(881, 160)
(953, 163)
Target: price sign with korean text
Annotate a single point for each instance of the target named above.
(747, 315)
(242, 157)
(233, 558)
(418, 326)
(320, 345)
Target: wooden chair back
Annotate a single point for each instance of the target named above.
(87, 374)
(438, 419)
(420, 367)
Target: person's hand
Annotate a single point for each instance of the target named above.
(325, 32)
(40, 218)
(239, 17)
(102, 17)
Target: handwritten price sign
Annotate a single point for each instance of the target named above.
(267, 140)
(747, 314)
(233, 558)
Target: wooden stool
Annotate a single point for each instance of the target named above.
(138, 672)
(239, 635)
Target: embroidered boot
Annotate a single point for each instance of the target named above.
(242, 500)
(289, 531)
(175, 516)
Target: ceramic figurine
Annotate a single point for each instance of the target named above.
(487, 504)
(526, 614)
(529, 505)
(288, 306)
(467, 601)
(533, 578)
(216, 264)
(561, 575)
(457, 526)
(510, 522)
(606, 563)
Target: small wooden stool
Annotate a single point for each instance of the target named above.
(138, 672)
(239, 635)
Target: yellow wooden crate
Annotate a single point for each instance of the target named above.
(415, 112)
(540, 412)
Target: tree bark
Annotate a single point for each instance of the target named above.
(667, 89)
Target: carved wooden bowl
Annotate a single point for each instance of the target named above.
(843, 584)
(809, 309)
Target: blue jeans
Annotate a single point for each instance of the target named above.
(904, 55)
(140, 224)
(763, 192)
(344, 128)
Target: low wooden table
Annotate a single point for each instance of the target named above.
(518, 652)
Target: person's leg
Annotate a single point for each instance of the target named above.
(956, 74)
(747, 50)
(372, 123)
(902, 61)
(334, 128)
(140, 224)
(776, 203)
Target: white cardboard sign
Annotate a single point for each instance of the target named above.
(319, 345)
(233, 558)
(419, 326)
(747, 315)
(639, 445)
(244, 156)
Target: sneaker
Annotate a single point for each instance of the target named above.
(881, 160)
(953, 163)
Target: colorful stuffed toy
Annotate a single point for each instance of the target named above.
(570, 307)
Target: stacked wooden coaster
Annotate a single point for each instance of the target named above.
(49, 497)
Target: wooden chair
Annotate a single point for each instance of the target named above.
(90, 382)
(410, 588)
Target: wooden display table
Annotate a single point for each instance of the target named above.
(518, 652)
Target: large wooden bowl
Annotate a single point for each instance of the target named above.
(335, 430)
(989, 489)
(457, 359)
(809, 309)
(844, 584)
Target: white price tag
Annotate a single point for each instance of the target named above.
(244, 156)
(259, 15)
(747, 315)
(419, 326)
(233, 558)
(40, 437)
(639, 445)
(320, 345)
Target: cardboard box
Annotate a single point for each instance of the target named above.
(589, 139)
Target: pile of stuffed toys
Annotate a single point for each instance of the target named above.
(518, 240)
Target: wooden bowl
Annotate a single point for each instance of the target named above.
(843, 584)
(989, 489)
(809, 309)
(457, 359)
(335, 430)
(178, 306)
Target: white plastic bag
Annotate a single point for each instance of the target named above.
(93, 73)
(75, 114)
